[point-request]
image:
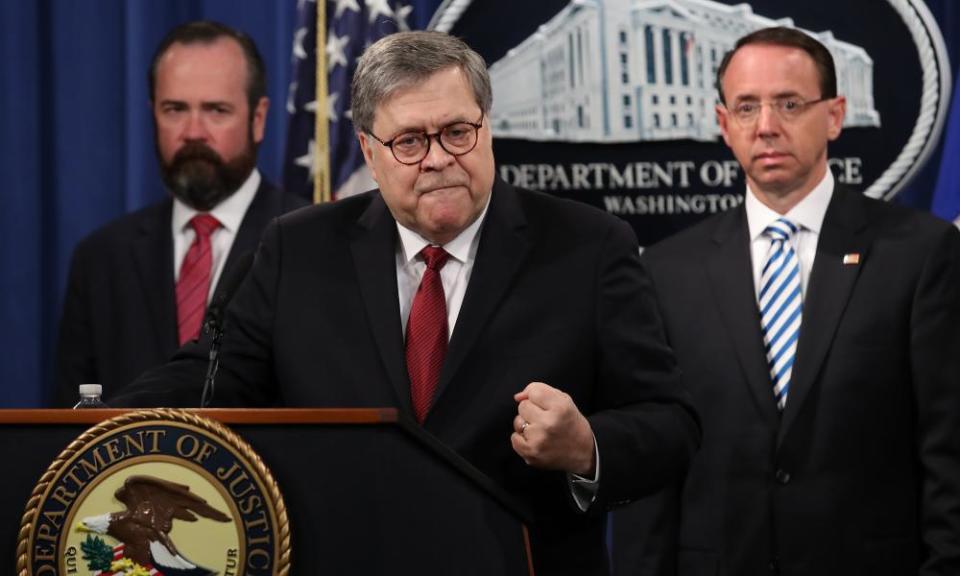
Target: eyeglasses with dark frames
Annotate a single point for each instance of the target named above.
(412, 147)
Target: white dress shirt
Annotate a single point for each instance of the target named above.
(455, 274)
(230, 213)
(808, 214)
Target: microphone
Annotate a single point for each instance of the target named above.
(213, 325)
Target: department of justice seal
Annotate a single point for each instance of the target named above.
(155, 493)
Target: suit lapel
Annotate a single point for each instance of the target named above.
(731, 275)
(373, 247)
(255, 220)
(828, 291)
(152, 254)
(503, 248)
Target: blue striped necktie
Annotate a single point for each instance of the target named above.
(781, 306)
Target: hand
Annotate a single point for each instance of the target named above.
(550, 432)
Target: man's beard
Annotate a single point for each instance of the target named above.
(199, 177)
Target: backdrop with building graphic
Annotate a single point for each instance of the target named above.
(619, 71)
(612, 102)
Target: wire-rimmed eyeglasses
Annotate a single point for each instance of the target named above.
(412, 147)
(788, 108)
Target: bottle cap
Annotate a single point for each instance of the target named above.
(91, 389)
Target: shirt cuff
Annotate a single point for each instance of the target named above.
(584, 490)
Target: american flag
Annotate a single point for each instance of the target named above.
(350, 26)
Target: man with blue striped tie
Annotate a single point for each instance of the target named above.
(819, 333)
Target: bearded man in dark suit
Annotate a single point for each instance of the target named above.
(131, 300)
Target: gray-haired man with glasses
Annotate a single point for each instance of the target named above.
(819, 332)
(522, 272)
(518, 328)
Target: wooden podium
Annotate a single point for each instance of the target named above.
(366, 491)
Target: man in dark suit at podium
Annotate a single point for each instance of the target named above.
(819, 332)
(138, 286)
(517, 328)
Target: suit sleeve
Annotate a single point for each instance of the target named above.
(646, 429)
(76, 362)
(935, 362)
(644, 536)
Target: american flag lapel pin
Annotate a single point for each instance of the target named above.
(851, 259)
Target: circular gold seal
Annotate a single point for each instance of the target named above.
(155, 493)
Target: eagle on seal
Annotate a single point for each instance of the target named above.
(144, 527)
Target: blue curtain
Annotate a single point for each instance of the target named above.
(919, 194)
(76, 143)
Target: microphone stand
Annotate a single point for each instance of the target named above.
(213, 364)
(214, 324)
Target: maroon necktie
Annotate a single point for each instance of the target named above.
(194, 282)
(427, 332)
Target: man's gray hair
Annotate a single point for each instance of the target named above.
(404, 59)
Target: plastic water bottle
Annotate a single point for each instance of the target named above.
(90, 397)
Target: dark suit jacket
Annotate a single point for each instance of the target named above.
(861, 472)
(557, 294)
(119, 314)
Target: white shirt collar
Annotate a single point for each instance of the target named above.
(230, 212)
(808, 213)
(459, 248)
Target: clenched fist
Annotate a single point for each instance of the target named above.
(550, 432)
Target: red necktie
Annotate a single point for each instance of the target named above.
(427, 332)
(194, 282)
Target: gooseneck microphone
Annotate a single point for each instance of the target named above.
(213, 325)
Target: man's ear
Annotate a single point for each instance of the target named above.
(259, 119)
(367, 149)
(722, 120)
(836, 112)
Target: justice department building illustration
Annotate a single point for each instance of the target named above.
(641, 70)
